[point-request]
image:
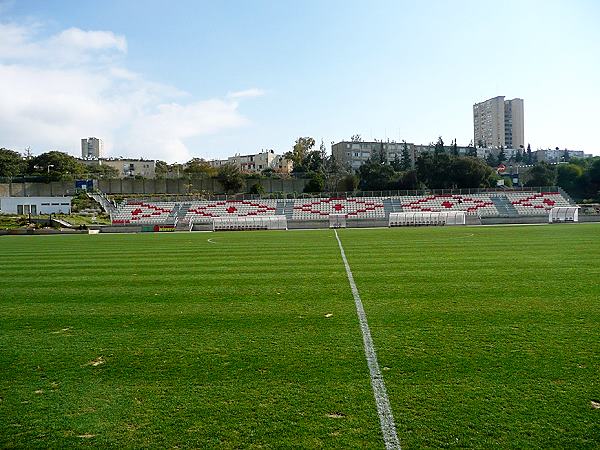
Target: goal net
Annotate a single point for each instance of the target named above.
(427, 218)
(337, 220)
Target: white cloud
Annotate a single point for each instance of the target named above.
(56, 90)
(248, 93)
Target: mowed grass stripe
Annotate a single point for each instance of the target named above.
(187, 344)
(489, 341)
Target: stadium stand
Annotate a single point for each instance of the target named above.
(475, 204)
(205, 211)
(321, 208)
(482, 204)
(139, 212)
(536, 203)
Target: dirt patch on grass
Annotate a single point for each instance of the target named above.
(595, 404)
(97, 362)
(336, 415)
(328, 315)
(86, 436)
(63, 331)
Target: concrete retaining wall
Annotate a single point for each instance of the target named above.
(147, 187)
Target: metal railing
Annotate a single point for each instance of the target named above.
(354, 194)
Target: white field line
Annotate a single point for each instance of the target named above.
(210, 241)
(384, 410)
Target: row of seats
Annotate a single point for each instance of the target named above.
(524, 203)
(475, 204)
(203, 211)
(541, 203)
(319, 208)
(143, 212)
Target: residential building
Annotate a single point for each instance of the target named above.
(92, 148)
(127, 168)
(514, 133)
(255, 163)
(499, 123)
(352, 155)
(558, 155)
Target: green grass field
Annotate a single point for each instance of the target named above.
(486, 336)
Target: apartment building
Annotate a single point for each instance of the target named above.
(352, 155)
(92, 148)
(126, 168)
(254, 163)
(499, 123)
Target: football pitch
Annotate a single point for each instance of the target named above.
(485, 337)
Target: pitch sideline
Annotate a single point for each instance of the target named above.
(384, 410)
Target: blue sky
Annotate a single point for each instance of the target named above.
(174, 80)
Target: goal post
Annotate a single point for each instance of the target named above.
(426, 218)
(337, 220)
(236, 223)
(564, 214)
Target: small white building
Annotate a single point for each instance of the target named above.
(35, 205)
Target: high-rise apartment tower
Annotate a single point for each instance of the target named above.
(92, 148)
(498, 122)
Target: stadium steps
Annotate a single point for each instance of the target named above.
(101, 199)
(504, 206)
(181, 211)
(566, 196)
(280, 207)
(288, 208)
(391, 205)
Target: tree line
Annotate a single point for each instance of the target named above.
(439, 168)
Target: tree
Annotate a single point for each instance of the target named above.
(55, 165)
(566, 157)
(355, 138)
(197, 166)
(593, 178)
(529, 158)
(407, 180)
(472, 151)
(313, 162)
(542, 174)
(230, 178)
(501, 155)
(316, 183)
(491, 160)
(161, 168)
(439, 146)
(396, 164)
(470, 172)
(299, 152)
(405, 163)
(519, 156)
(257, 189)
(375, 175)
(454, 148)
(11, 163)
(103, 171)
(348, 183)
(570, 178)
